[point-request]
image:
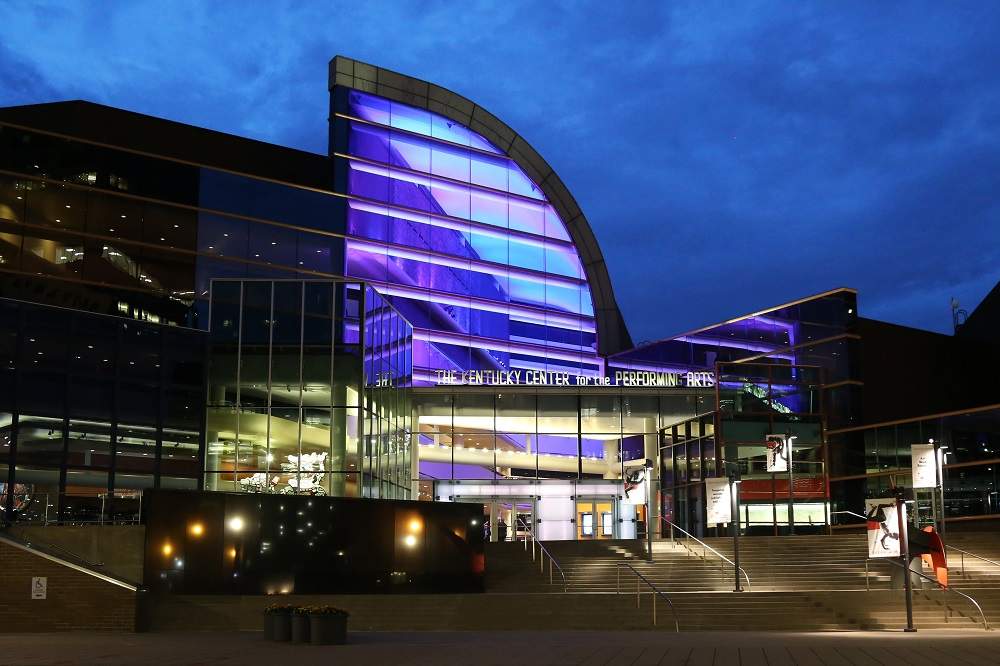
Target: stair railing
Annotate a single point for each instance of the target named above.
(963, 553)
(946, 588)
(688, 537)
(543, 555)
(656, 592)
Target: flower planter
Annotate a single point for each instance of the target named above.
(328, 629)
(300, 628)
(278, 626)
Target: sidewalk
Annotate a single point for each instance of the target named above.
(515, 648)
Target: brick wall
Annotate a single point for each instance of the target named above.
(75, 601)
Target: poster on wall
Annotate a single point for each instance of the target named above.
(924, 466)
(883, 527)
(636, 481)
(718, 501)
(777, 452)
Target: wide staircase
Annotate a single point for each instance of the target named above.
(800, 582)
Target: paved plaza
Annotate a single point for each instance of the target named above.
(515, 648)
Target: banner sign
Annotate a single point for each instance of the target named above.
(636, 486)
(637, 378)
(718, 501)
(883, 527)
(924, 466)
(778, 450)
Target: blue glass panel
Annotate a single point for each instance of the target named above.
(450, 162)
(519, 183)
(586, 304)
(410, 152)
(449, 130)
(526, 254)
(488, 247)
(528, 292)
(562, 260)
(489, 208)
(447, 279)
(559, 297)
(409, 118)
(489, 171)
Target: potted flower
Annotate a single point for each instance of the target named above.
(278, 622)
(300, 624)
(328, 625)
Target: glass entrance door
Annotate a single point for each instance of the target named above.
(507, 519)
(595, 519)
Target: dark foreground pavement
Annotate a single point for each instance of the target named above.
(516, 648)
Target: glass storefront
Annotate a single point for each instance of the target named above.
(308, 390)
(94, 409)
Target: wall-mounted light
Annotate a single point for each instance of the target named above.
(236, 524)
(196, 529)
(410, 541)
(167, 549)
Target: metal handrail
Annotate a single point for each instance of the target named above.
(544, 551)
(674, 526)
(946, 588)
(963, 553)
(656, 592)
(850, 513)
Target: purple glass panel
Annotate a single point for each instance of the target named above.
(366, 223)
(554, 227)
(488, 247)
(562, 260)
(451, 198)
(560, 445)
(361, 262)
(369, 142)
(526, 254)
(591, 447)
(489, 208)
(369, 107)
(526, 216)
(561, 297)
(369, 185)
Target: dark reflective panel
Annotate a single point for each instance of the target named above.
(282, 544)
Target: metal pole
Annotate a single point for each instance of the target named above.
(904, 545)
(649, 511)
(791, 486)
(734, 491)
(940, 454)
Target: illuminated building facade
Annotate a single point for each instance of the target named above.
(423, 312)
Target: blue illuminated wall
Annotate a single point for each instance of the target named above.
(461, 241)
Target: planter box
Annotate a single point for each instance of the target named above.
(328, 629)
(300, 628)
(278, 626)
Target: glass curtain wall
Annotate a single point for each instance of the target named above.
(92, 410)
(971, 464)
(533, 434)
(285, 382)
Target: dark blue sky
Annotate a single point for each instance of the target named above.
(729, 155)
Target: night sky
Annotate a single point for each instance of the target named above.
(730, 156)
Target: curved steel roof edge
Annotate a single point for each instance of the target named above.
(612, 334)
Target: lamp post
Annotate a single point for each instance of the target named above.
(734, 520)
(649, 508)
(940, 453)
(904, 543)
